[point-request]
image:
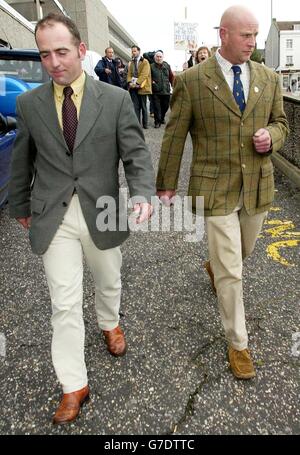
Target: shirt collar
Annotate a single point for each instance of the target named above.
(76, 85)
(226, 65)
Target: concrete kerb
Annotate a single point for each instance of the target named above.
(291, 171)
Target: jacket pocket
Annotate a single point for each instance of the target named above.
(37, 206)
(266, 185)
(203, 183)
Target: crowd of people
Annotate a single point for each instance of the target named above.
(73, 132)
(146, 77)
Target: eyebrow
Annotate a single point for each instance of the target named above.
(45, 51)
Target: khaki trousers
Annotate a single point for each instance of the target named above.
(231, 239)
(63, 263)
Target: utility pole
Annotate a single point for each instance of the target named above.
(271, 11)
(185, 18)
(38, 9)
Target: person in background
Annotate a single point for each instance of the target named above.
(107, 70)
(162, 79)
(192, 60)
(203, 53)
(233, 109)
(121, 68)
(139, 84)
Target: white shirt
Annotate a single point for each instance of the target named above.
(229, 76)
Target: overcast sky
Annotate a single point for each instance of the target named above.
(152, 23)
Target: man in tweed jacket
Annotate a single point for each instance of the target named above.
(231, 166)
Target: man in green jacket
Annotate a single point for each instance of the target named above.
(233, 109)
(162, 79)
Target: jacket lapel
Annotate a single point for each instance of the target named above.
(45, 105)
(90, 110)
(216, 82)
(257, 86)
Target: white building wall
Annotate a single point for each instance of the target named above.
(294, 52)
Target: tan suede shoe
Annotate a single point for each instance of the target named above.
(211, 275)
(115, 341)
(241, 363)
(70, 405)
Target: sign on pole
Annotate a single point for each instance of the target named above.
(185, 36)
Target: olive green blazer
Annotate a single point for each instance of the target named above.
(224, 157)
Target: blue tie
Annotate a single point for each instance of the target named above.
(238, 90)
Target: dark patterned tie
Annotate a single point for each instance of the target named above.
(135, 72)
(69, 118)
(238, 90)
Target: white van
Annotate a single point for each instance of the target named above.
(90, 61)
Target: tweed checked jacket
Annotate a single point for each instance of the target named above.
(224, 157)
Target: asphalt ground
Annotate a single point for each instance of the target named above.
(175, 378)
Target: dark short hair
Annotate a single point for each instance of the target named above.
(135, 46)
(54, 18)
(201, 48)
(109, 47)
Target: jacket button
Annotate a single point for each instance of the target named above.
(243, 166)
(68, 153)
(75, 178)
(64, 204)
(242, 145)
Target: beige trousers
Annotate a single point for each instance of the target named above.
(63, 263)
(231, 239)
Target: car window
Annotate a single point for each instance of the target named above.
(26, 70)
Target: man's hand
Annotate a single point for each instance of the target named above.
(166, 196)
(262, 141)
(144, 211)
(107, 70)
(26, 222)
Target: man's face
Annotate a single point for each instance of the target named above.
(134, 52)
(238, 42)
(110, 53)
(203, 55)
(159, 58)
(60, 56)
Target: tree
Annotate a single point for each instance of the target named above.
(256, 56)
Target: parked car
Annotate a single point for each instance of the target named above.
(7, 137)
(20, 71)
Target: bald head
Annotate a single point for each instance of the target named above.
(236, 15)
(238, 32)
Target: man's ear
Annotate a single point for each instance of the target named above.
(82, 50)
(223, 32)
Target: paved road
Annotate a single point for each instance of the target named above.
(175, 378)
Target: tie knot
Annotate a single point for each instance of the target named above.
(68, 91)
(236, 69)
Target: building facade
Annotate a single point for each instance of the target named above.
(98, 28)
(282, 53)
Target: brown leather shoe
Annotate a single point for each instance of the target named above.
(70, 405)
(241, 363)
(211, 275)
(115, 340)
